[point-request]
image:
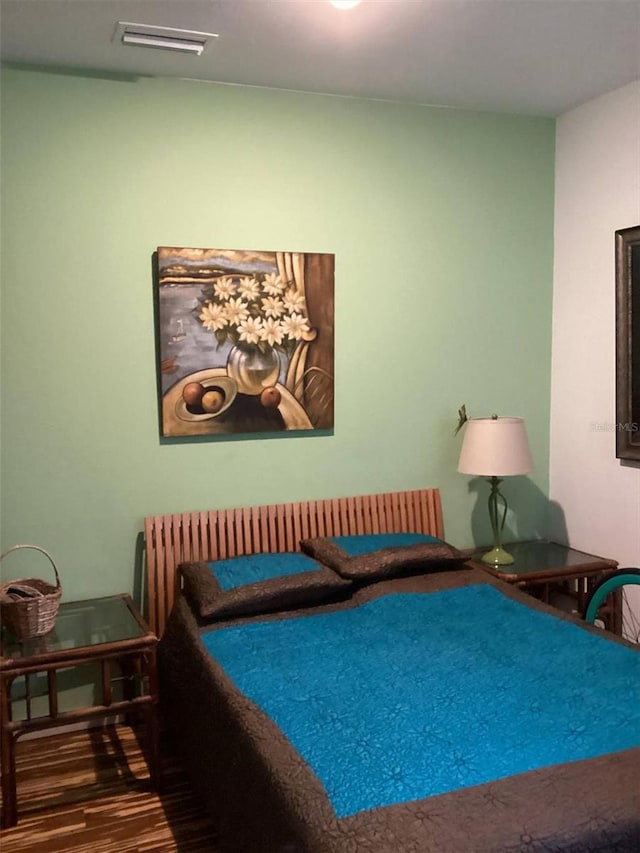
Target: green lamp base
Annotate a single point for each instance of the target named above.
(497, 557)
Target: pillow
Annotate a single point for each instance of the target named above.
(380, 555)
(256, 583)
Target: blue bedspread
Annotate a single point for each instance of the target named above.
(412, 695)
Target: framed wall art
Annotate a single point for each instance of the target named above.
(628, 343)
(245, 340)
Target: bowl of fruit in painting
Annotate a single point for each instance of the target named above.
(206, 399)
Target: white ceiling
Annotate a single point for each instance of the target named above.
(531, 56)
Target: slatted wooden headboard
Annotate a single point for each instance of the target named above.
(218, 534)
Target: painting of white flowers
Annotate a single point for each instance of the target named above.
(245, 341)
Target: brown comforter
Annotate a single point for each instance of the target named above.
(265, 799)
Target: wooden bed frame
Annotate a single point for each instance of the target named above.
(218, 534)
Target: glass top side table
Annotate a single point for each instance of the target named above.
(543, 568)
(540, 559)
(106, 632)
(80, 625)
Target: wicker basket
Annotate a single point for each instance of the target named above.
(30, 606)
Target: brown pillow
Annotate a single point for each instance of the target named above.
(257, 583)
(382, 555)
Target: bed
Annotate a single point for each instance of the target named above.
(421, 708)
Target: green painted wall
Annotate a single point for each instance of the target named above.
(441, 223)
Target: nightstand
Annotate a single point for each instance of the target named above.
(106, 632)
(547, 570)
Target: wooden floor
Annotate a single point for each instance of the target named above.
(89, 791)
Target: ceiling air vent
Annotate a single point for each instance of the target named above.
(162, 38)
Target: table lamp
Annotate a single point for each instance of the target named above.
(495, 448)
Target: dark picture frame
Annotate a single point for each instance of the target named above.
(628, 343)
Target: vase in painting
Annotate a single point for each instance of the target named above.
(253, 368)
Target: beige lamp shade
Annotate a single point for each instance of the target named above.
(495, 447)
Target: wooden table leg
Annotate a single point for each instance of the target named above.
(151, 717)
(8, 763)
